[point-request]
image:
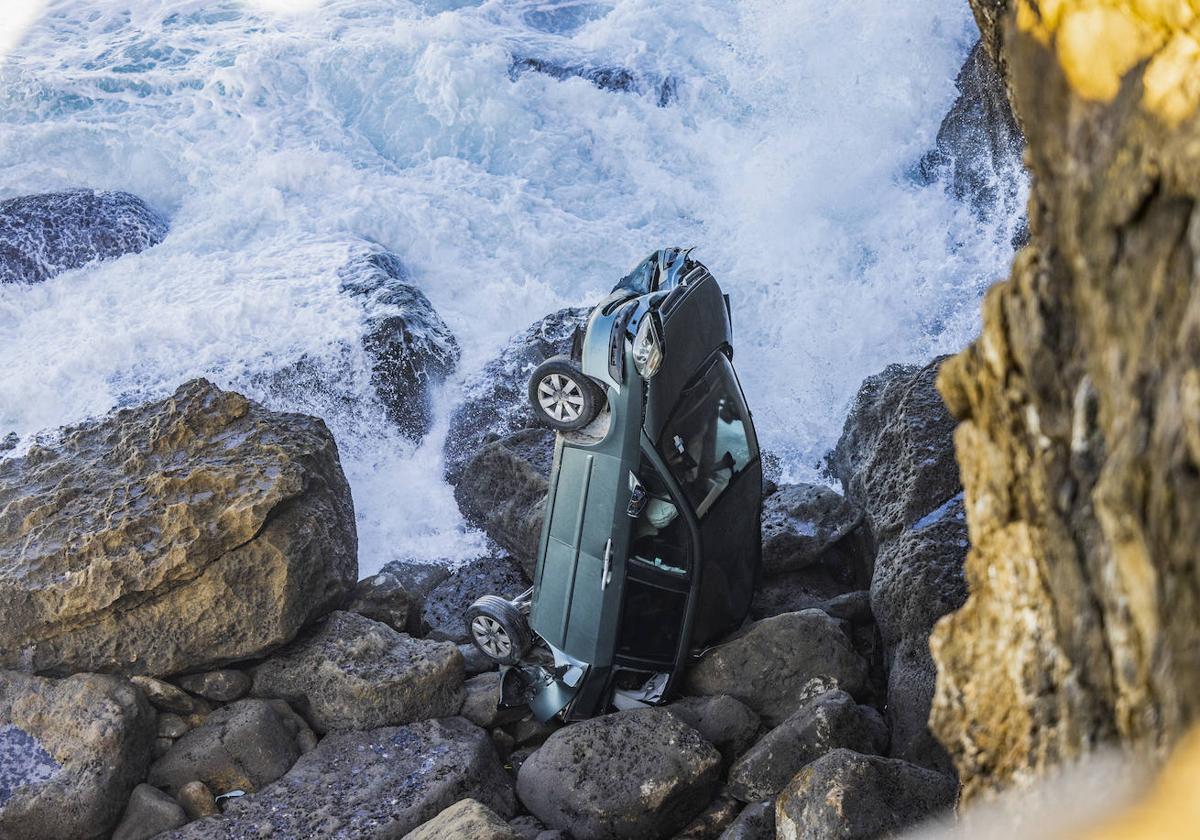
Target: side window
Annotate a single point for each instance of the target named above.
(707, 441)
(660, 535)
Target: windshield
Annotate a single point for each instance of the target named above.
(708, 440)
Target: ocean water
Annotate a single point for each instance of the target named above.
(277, 136)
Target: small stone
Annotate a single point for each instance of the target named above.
(149, 812)
(224, 686)
(171, 725)
(197, 800)
(466, 818)
(306, 741)
(163, 695)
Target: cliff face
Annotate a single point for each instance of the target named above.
(1079, 441)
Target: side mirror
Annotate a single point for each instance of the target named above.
(638, 497)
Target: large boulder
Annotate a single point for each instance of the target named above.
(1079, 402)
(824, 723)
(375, 785)
(149, 812)
(176, 535)
(411, 349)
(800, 522)
(847, 796)
(354, 673)
(728, 724)
(755, 822)
(775, 665)
(444, 607)
(43, 235)
(396, 594)
(631, 774)
(71, 751)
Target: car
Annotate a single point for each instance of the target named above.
(651, 544)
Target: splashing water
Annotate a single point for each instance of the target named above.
(277, 136)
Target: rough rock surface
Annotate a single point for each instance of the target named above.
(149, 812)
(397, 593)
(480, 706)
(176, 535)
(822, 724)
(848, 796)
(1079, 441)
(375, 785)
(631, 774)
(354, 673)
(224, 685)
(70, 753)
(444, 607)
(464, 819)
(43, 235)
(412, 350)
(755, 822)
(728, 724)
(774, 665)
(800, 521)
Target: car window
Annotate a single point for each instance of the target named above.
(708, 440)
(660, 535)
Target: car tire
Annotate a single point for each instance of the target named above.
(499, 629)
(562, 397)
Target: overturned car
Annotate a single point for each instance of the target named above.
(651, 542)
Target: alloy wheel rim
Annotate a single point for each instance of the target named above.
(561, 397)
(491, 636)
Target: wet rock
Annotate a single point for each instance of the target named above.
(149, 812)
(479, 707)
(824, 723)
(463, 819)
(774, 665)
(71, 751)
(163, 695)
(412, 350)
(631, 774)
(801, 521)
(375, 785)
(614, 79)
(197, 800)
(171, 537)
(444, 607)
(43, 235)
(847, 795)
(354, 673)
(224, 686)
(9, 441)
(755, 822)
(397, 593)
(726, 723)
(243, 746)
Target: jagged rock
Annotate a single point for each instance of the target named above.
(755, 822)
(1079, 442)
(726, 723)
(808, 589)
(397, 593)
(774, 665)
(373, 785)
(173, 536)
(615, 79)
(801, 521)
(9, 441)
(243, 746)
(354, 673)
(464, 819)
(224, 685)
(480, 706)
(631, 774)
(197, 800)
(412, 350)
(494, 403)
(43, 235)
(443, 611)
(856, 797)
(71, 751)
(149, 812)
(824, 723)
(712, 821)
(163, 695)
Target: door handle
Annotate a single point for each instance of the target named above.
(606, 573)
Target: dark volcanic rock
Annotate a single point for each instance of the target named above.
(801, 521)
(728, 724)
(412, 350)
(43, 235)
(397, 593)
(224, 686)
(446, 604)
(376, 785)
(755, 822)
(170, 537)
(808, 589)
(70, 753)
(354, 673)
(615, 79)
(858, 797)
(629, 774)
(149, 812)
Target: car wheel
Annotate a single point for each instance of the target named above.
(562, 397)
(499, 629)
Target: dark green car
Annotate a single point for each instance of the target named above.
(651, 542)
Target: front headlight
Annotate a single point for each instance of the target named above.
(647, 348)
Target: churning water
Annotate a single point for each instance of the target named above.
(776, 137)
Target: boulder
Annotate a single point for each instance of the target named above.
(774, 665)
(612, 79)
(480, 706)
(197, 800)
(375, 785)
(71, 751)
(801, 521)
(44, 235)
(149, 812)
(397, 593)
(824, 723)
(446, 605)
(224, 685)
(463, 819)
(243, 746)
(634, 774)
(808, 589)
(849, 796)
(726, 723)
(755, 822)
(411, 349)
(354, 673)
(712, 821)
(170, 537)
